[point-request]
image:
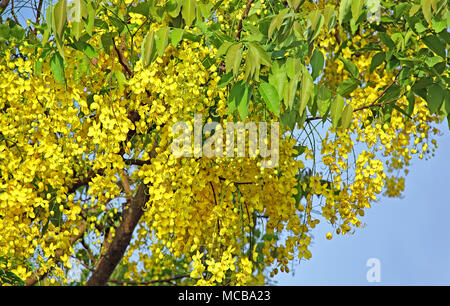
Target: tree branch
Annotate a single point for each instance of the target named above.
(82, 182)
(4, 4)
(122, 61)
(38, 14)
(40, 275)
(244, 15)
(137, 162)
(114, 253)
(236, 183)
(13, 13)
(373, 104)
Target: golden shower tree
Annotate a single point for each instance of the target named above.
(90, 90)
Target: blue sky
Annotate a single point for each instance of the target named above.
(409, 236)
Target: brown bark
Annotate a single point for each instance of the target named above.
(3, 4)
(115, 251)
(244, 15)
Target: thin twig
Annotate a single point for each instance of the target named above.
(38, 14)
(122, 61)
(237, 183)
(214, 193)
(373, 104)
(13, 13)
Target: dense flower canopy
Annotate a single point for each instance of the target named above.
(88, 101)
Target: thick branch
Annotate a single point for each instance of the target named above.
(121, 240)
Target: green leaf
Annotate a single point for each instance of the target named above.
(270, 97)
(411, 102)
(357, 6)
(317, 20)
(263, 56)
(330, 17)
(289, 90)
(431, 61)
(336, 109)
(57, 68)
(306, 91)
(107, 42)
(386, 39)
(439, 26)
(377, 60)
(243, 102)
(295, 3)
(117, 23)
(344, 10)
(59, 17)
(300, 150)
(90, 18)
(391, 94)
(173, 8)
(175, 36)
(277, 21)
(435, 44)
(347, 116)
(420, 28)
(223, 48)
(188, 11)
(17, 33)
(142, 8)
(400, 10)
(56, 218)
(347, 86)
(399, 109)
(293, 67)
(233, 59)
(323, 100)
(235, 95)
(435, 97)
(161, 40)
(77, 28)
(288, 118)
(4, 32)
(226, 78)
(86, 48)
(277, 80)
(426, 9)
(148, 48)
(414, 9)
(317, 61)
(350, 67)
